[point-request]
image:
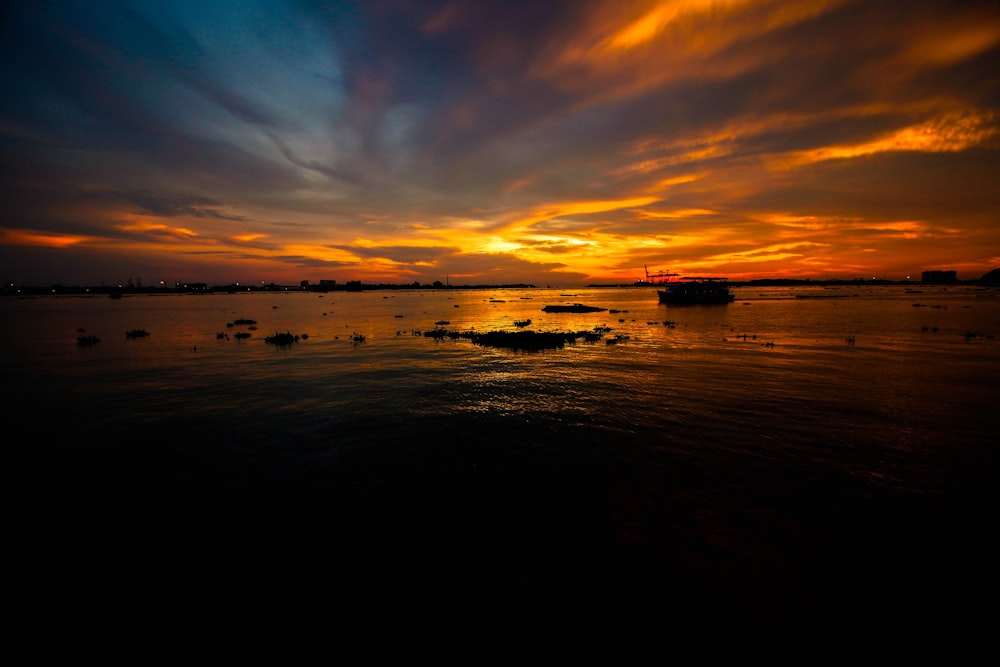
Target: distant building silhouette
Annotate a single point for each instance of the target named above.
(938, 277)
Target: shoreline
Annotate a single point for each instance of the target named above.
(201, 288)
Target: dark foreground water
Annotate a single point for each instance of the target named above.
(826, 459)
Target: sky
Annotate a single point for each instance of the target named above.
(548, 142)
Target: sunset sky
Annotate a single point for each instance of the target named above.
(549, 142)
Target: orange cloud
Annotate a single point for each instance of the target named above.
(563, 209)
(18, 237)
(950, 133)
(965, 37)
(139, 225)
(631, 47)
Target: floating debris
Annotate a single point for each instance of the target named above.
(244, 321)
(574, 308)
(518, 340)
(85, 341)
(241, 335)
(525, 340)
(281, 339)
(522, 323)
(436, 333)
(136, 333)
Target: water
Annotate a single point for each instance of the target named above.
(768, 458)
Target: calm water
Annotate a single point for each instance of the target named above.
(767, 458)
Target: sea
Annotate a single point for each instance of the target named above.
(804, 454)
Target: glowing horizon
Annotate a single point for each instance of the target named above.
(552, 143)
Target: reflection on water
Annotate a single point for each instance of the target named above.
(829, 359)
(750, 445)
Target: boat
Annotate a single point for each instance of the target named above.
(676, 290)
(695, 291)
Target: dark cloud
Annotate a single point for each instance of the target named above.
(168, 205)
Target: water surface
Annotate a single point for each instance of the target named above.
(764, 457)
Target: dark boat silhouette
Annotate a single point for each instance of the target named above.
(694, 291)
(690, 290)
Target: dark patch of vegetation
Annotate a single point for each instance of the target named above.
(519, 340)
(281, 339)
(574, 308)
